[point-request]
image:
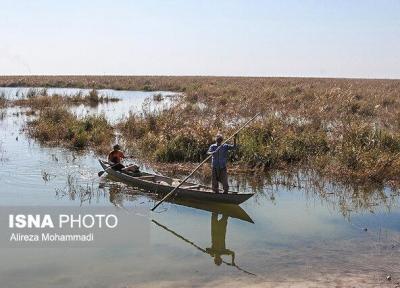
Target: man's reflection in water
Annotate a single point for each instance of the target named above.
(218, 234)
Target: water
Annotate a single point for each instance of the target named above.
(301, 235)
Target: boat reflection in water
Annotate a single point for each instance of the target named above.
(220, 214)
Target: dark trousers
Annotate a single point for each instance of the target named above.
(219, 175)
(117, 167)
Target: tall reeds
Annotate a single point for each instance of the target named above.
(57, 126)
(342, 128)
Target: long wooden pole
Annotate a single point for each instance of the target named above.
(204, 161)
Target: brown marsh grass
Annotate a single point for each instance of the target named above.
(3, 100)
(56, 125)
(346, 129)
(40, 99)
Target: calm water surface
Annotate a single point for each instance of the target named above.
(285, 234)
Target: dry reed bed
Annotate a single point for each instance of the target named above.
(321, 99)
(344, 129)
(39, 99)
(56, 126)
(3, 100)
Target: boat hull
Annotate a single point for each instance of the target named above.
(206, 194)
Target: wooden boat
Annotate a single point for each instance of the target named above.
(163, 185)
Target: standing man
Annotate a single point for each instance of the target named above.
(219, 158)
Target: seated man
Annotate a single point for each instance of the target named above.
(115, 157)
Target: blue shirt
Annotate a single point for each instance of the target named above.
(219, 159)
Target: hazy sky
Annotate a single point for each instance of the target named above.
(325, 38)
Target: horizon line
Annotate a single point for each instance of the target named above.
(199, 76)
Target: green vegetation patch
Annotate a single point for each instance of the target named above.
(58, 126)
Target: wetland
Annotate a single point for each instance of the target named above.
(323, 161)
